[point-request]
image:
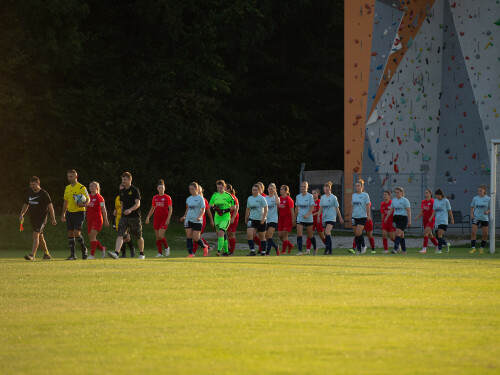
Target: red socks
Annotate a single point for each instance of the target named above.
(308, 244)
(354, 244)
(372, 242)
(384, 241)
(426, 241)
(159, 246)
(232, 244)
(164, 242)
(434, 241)
(93, 246)
(324, 240)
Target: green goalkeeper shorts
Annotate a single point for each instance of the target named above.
(222, 223)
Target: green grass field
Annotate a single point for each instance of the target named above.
(413, 314)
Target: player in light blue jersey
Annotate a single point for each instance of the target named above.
(360, 214)
(304, 206)
(193, 218)
(441, 211)
(329, 211)
(400, 209)
(255, 217)
(479, 214)
(273, 201)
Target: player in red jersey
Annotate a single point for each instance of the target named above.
(428, 223)
(387, 227)
(235, 216)
(96, 216)
(162, 208)
(369, 233)
(285, 218)
(317, 220)
(204, 224)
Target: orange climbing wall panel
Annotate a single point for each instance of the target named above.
(358, 26)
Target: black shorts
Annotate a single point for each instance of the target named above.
(400, 222)
(480, 223)
(37, 223)
(332, 223)
(444, 227)
(304, 224)
(132, 225)
(257, 225)
(194, 226)
(74, 220)
(358, 221)
(272, 225)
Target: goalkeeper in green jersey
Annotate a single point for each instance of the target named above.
(222, 203)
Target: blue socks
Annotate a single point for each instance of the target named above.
(403, 244)
(313, 242)
(299, 243)
(397, 241)
(189, 243)
(251, 245)
(328, 243)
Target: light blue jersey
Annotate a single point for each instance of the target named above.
(329, 204)
(304, 203)
(272, 209)
(400, 206)
(195, 205)
(481, 205)
(359, 202)
(441, 207)
(256, 206)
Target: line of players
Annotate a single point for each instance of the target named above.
(264, 215)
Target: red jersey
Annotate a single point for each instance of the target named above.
(317, 219)
(427, 207)
(264, 195)
(161, 204)
(94, 206)
(284, 207)
(236, 203)
(384, 209)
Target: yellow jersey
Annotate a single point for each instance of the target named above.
(71, 192)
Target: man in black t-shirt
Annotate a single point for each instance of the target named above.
(38, 203)
(130, 221)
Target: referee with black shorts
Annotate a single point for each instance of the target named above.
(38, 203)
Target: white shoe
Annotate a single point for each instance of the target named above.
(423, 251)
(141, 257)
(448, 247)
(299, 253)
(90, 257)
(308, 251)
(386, 251)
(159, 255)
(104, 251)
(363, 250)
(167, 251)
(399, 248)
(112, 254)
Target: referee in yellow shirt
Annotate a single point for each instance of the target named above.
(74, 213)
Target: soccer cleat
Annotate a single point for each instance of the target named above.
(104, 251)
(448, 247)
(423, 251)
(226, 254)
(218, 253)
(29, 257)
(251, 254)
(394, 251)
(373, 252)
(159, 255)
(84, 254)
(472, 251)
(308, 251)
(439, 251)
(141, 256)
(190, 256)
(71, 257)
(299, 253)
(205, 251)
(480, 250)
(90, 257)
(167, 251)
(363, 249)
(315, 251)
(358, 252)
(386, 251)
(263, 253)
(113, 255)
(351, 251)
(47, 257)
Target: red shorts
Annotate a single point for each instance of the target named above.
(159, 222)
(232, 227)
(318, 227)
(94, 222)
(369, 226)
(285, 225)
(388, 227)
(429, 224)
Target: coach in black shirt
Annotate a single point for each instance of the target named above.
(38, 203)
(130, 221)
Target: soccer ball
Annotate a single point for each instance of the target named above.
(80, 198)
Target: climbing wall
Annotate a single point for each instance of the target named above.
(432, 96)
